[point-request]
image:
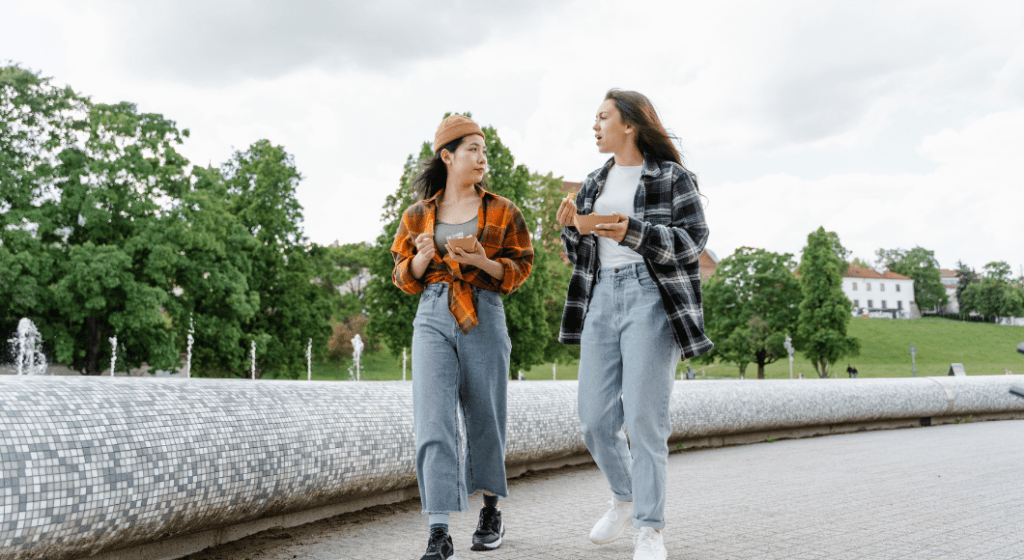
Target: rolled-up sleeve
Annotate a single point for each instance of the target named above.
(403, 249)
(679, 243)
(516, 255)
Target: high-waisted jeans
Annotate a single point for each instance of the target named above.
(627, 369)
(454, 372)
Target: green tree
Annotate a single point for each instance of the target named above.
(205, 264)
(920, 265)
(993, 296)
(391, 310)
(550, 263)
(37, 121)
(750, 305)
(261, 183)
(857, 261)
(965, 276)
(342, 267)
(825, 310)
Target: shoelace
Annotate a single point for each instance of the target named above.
(644, 540)
(489, 519)
(436, 539)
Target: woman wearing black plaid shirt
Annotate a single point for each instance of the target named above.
(634, 306)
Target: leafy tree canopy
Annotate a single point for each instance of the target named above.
(825, 309)
(750, 305)
(920, 265)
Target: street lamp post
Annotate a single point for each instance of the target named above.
(789, 348)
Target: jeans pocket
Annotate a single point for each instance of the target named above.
(647, 283)
(489, 296)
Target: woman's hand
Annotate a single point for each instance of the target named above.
(566, 214)
(425, 248)
(477, 257)
(616, 231)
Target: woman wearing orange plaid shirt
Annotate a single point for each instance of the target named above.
(460, 348)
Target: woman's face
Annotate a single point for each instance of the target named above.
(469, 162)
(613, 135)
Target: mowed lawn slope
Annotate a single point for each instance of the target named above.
(983, 349)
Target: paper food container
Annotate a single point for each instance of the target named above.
(464, 243)
(585, 224)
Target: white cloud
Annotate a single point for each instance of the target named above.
(967, 209)
(891, 123)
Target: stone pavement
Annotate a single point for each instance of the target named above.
(935, 493)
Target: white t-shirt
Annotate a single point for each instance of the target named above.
(617, 196)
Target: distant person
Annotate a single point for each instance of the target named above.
(460, 343)
(854, 372)
(849, 371)
(633, 306)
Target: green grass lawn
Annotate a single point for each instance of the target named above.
(983, 349)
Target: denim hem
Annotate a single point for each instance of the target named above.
(656, 526)
(498, 494)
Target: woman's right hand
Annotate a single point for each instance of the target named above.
(566, 214)
(425, 248)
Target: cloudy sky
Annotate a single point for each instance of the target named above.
(895, 124)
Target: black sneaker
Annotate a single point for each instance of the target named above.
(439, 547)
(489, 530)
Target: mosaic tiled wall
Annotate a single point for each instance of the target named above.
(96, 464)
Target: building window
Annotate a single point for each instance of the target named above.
(897, 287)
(870, 304)
(868, 286)
(883, 304)
(855, 286)
(881, 287)
(856, 303)
(899, 304)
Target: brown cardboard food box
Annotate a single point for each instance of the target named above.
(465, 243)
(585, 224)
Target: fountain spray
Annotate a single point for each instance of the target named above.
(357, 351)
(27, 347)
(113, 354)
(188, 351)
(309, 360)
(252, 356)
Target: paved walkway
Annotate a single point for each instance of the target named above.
(942, 492)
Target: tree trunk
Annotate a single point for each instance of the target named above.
(760, 370)
(94, 337)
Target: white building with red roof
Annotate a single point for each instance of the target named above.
(950, 281)
(880, 293)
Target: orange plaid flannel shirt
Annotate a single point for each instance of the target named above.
(505, 238)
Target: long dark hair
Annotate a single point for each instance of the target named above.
(651, 137)
(434, 176)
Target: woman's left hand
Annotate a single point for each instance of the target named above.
(616, 231)
(477, 257)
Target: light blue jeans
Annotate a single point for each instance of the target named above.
(627, 369)
(453, 372)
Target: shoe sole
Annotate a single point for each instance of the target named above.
(490, 546)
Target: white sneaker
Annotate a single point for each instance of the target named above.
(611, 525)
(649, 545)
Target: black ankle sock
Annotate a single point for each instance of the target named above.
(490, 501)
(439, 526)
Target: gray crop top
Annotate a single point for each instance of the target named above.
(442, 230)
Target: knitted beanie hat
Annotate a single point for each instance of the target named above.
(453, 128)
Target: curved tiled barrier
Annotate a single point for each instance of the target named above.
(91, 465)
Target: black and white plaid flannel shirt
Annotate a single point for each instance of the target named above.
(668, 231)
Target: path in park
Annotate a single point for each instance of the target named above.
(942, 492)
